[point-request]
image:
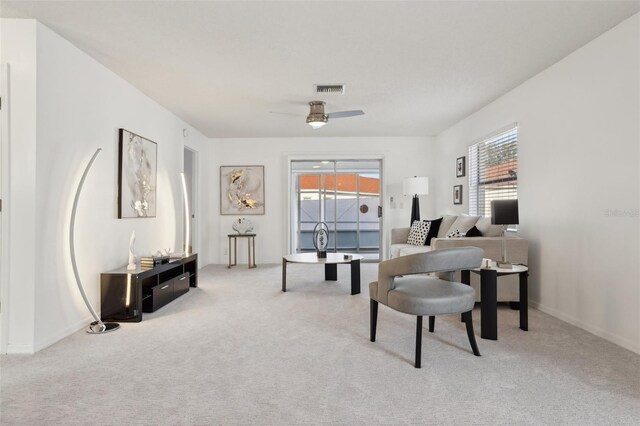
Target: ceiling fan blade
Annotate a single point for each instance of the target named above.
(343, 114)
(285, 113)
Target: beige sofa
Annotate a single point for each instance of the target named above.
(490, 242)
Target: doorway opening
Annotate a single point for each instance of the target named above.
(346, 195)
(190, 168)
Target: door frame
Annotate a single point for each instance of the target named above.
(288, 218)
(4, 221)
(195, 200)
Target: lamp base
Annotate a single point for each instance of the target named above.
(101, 328)
(504, 265)
(415, 209)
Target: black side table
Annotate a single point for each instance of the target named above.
(489, 297)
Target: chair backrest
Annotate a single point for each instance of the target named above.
(445, 260)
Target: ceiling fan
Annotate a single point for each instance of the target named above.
(317, 117)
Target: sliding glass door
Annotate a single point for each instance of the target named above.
(345, 194)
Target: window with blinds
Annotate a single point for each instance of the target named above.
(493, 171)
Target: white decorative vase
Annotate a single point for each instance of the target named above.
(242, 225)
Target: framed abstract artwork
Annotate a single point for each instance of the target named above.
(460, 166)
(457, 194)
(241, 190)
(137, 176)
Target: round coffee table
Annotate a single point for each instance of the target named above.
(330, 266)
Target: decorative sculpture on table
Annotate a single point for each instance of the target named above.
(132, 257)
(242, 225)
(321, 239)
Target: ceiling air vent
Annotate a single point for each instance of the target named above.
(336, 89)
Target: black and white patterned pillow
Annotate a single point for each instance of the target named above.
(418, 233)
(455, 234)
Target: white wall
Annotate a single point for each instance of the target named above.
(579, 137)
(80, 107)
(18, 50)
(402, 157)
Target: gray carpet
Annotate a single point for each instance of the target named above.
(237, 350)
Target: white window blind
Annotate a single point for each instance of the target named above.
(493, 171)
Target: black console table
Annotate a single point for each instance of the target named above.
(125, 295)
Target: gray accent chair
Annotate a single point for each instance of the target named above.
(401, 288)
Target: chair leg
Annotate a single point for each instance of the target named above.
(432, 323)
(418, 363)
(373, 319)
(467, 316)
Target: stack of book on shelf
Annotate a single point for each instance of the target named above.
(148, 262)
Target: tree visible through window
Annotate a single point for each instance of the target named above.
(493, 171)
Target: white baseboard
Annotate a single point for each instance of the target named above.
(620, 341)
(19, 349)
(61, 334)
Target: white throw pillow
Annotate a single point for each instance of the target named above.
(418, 233)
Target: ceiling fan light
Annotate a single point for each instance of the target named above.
(316, 124)
(316, 120)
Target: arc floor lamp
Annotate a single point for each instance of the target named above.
(96, 327)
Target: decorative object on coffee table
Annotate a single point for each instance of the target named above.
(241, 190)
(137, 176)
(415, 186)
(97, 326)
(460, 166)
(457, 194)
(242, 225)
(321, 239)
(504, 212)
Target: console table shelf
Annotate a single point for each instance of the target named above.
(125, 295)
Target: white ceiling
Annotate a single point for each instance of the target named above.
(415, 68)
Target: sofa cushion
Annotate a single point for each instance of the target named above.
(433, 230)
(488, 230)
(463, 223)
(473, 232)
(418, 233)
(410, 249)
(446, 223)
(396, 249)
